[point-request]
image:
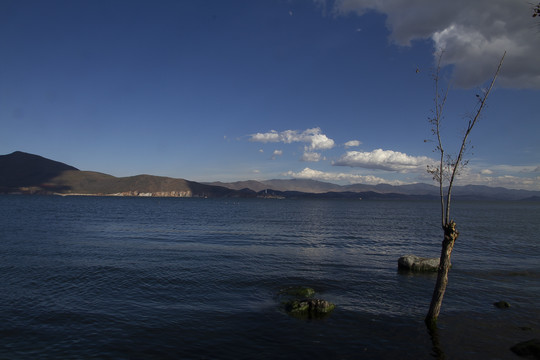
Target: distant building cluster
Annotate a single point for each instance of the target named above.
(155, 194)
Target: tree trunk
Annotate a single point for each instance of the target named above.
(450, 236)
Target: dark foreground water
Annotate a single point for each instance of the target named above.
(148, 278)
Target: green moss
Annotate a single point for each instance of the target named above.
(298, 301)
(297, 306)
(309, 308)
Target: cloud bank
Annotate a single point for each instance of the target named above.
(313, 138)
(474, 35)
(384, 160)
(308, 173)
(390, 161)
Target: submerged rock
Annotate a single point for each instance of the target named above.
(309, 307)
(529, 349)
(502, 304)
(298, 301)
(417, 263)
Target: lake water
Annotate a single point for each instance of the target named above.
(159, 278)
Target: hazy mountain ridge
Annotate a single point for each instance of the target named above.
(416, 190)
(32, 174)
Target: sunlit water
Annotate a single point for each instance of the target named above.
(145, 278)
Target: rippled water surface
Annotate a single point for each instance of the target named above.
(149, 278)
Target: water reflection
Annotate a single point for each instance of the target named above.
(434, 334)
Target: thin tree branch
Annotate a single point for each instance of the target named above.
(439, 107)
(464, 142)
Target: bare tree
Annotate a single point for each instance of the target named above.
(536, 10)
(445, 174)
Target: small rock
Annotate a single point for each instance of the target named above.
(309, 307)
(298, 301)
(501, 304)
(416, 263)
(530, 349)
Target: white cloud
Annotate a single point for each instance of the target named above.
(311, 156)
(352, 143)
(486, 172)
(318, 141)
(313, 137)
(276, 153)
(271, 136)
(384, 160)
(509, 169)
(308, 173)
(474, 35)
(468, 177)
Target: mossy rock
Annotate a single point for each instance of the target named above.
(299, 301)
(309, 308)
(296, 306)
(413, 263)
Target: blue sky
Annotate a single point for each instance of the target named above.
(337, 91)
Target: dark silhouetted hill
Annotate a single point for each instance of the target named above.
(20, 169)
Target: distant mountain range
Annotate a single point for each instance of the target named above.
(418, 190)
(25, 173)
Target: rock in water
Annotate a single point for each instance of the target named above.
(416, 263)
(311, 308)
(529, 349)
(298, 301)
(502, 304)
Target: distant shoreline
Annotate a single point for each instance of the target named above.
(32, 174)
